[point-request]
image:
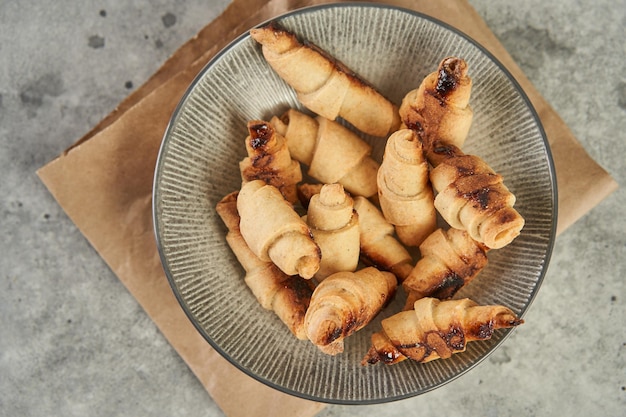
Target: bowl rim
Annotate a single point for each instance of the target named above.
(308, 9)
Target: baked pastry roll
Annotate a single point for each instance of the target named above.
(269, 160)
(324, 85)
(287, 296)
(404, 190)
(472, 197)
(335, 227)
(344, 303)
(332, 152)
(306, 191)
(439, 107)
(436, 329)
(378, 244)
(379, 247)
(274, 231)
(449, 260)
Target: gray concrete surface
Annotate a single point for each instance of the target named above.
(73, 341)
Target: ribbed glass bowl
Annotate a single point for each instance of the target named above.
(393, 49)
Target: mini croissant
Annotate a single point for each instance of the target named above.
(288, 296)
(379, 247)
(332, 152)
(306, 191)
(269, 160)
(472, 197)
(344, 303)
(449, 260)
(335, 228)
(404, 190)
(436, 329)
(439, 107)
(324, 85)
(274, 231)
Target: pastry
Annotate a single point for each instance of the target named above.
(379, 247)
(449, 260)
(404, 190)
(344, 303)
(306, 191)
(335, 228)
(472, 197)
(332, 152)
(439, 107)
(436, 329)
(324, 85)
(269, 160)
(288, 296)
(274, 231)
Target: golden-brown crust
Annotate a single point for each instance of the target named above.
(269, 160)
(291, 302)
(379, 247)
(324, 85)
(436, 329)
(288, 296)
(332, 152)
(472, 197)
(404, 190)
(450, 259)
(274, 231)
(344, 303)
(335, 228)
(306, 191)
(439, 107)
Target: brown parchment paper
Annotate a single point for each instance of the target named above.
(104, 184)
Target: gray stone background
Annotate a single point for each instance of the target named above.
(74, 342)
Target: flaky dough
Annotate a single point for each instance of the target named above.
(344, 303)
(269, 160)
(436, 329)
(449, 260)
(287, 296)
(324, 85)
(332, 152)
(439, 107)
(472, 197)
(335, 227)
(404, 190)
(274, 231)
(379, 247)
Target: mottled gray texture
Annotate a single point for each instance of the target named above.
(74, 342)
